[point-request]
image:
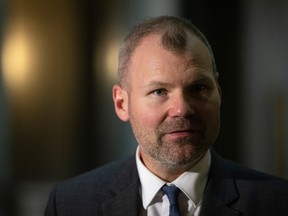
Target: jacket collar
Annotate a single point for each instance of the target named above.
(221, 191)
(125, 192)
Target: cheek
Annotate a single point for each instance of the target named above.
(149, 119)
(146, 116)
(210, 112)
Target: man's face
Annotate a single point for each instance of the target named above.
(173, 103)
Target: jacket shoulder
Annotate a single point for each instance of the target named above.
(85, 194)
(99, 178)
(235, 188)
(259, 192)
(244, 174)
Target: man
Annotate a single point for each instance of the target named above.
(169, 92)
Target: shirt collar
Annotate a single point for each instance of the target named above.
(150, 183)
(192, 183)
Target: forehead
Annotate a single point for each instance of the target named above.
(150, 54)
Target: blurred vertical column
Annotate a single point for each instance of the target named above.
(45, 64)
(5, 163)
(265, 89)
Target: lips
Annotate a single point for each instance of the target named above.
(183, 130)
(182, 133)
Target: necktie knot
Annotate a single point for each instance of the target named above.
(172, 193)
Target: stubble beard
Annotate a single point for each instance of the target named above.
(182, 152)
(177, 153)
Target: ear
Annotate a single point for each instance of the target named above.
(120, 98)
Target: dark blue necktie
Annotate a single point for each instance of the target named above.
(172, 193)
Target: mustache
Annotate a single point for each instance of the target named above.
(181, 124)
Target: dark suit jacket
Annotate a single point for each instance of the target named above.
(113, 190)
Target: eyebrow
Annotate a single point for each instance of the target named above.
(198, 78)
(157, 83)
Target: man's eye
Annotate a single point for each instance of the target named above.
(160, 92)
(199, 88)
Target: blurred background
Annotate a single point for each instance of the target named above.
(59, 62)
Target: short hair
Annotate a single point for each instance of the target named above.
(174, 37)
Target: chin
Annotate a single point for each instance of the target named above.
(187, 156)
(179, 161)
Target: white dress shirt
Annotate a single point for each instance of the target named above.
(192, 184)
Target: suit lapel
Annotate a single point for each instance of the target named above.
(125, 199)
(221, 191)
(219, 195)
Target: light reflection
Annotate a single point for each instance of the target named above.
(17, 56)
(111, 59)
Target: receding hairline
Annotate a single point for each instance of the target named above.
(180, 31)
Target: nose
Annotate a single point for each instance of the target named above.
(181, 105)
